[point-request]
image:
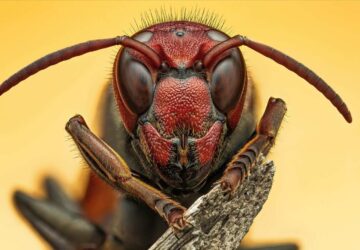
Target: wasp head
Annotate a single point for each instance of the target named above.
(182, 112)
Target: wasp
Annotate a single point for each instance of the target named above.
(185, 120)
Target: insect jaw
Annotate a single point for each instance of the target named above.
(183, 162)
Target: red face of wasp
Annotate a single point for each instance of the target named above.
(182, 115)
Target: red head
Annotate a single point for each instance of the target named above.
(181, 113)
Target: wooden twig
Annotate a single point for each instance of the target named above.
(218, 222)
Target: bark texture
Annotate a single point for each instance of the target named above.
(218, 222)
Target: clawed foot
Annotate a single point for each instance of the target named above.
(173, 213)
(230, 182)
(177, 221)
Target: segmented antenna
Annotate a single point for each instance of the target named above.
(77, 50)
(286, 61)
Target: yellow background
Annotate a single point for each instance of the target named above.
(315, 197)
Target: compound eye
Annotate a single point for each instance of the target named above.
(227, 81)
(135, 82)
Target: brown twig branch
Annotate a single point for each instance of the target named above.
(220, 223)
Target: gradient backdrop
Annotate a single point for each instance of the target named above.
(315, 197)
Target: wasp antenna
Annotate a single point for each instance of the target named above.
(77, 50)
(286, 61)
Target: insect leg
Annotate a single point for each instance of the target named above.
(240, 165)
(109, 166)
(57, 196)
(61, 227)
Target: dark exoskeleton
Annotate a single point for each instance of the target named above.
(187, 119)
